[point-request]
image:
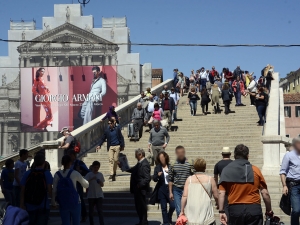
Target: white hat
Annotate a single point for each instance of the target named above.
(226, 150)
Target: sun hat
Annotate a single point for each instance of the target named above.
(226, 150)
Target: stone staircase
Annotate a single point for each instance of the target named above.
(202, 136)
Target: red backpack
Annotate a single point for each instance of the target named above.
(77, 146)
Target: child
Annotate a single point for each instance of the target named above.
(20, 169)
(95, 193)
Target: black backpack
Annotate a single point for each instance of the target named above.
(35, 187)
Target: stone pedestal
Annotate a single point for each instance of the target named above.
(54, 157)
(22, 140)
(27, 140)
(4, 140)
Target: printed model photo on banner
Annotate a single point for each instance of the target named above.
(55, 97)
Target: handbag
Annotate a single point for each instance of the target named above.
(285, 204)
(154, 195)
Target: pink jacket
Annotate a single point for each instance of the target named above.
(242, 86)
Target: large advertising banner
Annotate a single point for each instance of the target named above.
(56, 97)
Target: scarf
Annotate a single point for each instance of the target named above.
(239, 171)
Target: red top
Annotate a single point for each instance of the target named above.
(166, 105)
(39, 87)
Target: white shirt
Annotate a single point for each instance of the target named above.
(75, 177)
(166, 175)
(204, 75)
(252, 86)
(151, 106)
(95, 190)
(175, 96)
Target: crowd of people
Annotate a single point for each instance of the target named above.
(227, 84)
(183, 185)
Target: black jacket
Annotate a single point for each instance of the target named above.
(226, 95)
(140, 177)
(171, 104)
(159, 179)
(106, 136)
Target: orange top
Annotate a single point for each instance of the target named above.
(245, 193)
(39, 87)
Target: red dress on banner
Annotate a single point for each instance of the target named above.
(39, 89)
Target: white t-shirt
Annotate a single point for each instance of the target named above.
(166, 174)
(95, 190)
(22, 166)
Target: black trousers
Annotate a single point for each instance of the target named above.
(227, 106)
(252, 99)
(141, 206)
(245, 214)
(98, 202)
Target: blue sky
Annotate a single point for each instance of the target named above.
(188, 22)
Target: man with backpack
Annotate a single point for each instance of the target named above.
(69, 141)
(81, 168)
(36, 187)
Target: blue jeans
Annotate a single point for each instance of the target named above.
(39, 217)
(164, 198)
(295, 202)
(17, 192)
(261, 113)
(9, 196)
(202, 84)
(238, 96)
(73, 213)
(193, 105)
(177, 193)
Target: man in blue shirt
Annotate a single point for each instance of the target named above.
(290, 178)
(115, 144)
(38, 214)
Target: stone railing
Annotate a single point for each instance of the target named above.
(275, 143)
(89, 134)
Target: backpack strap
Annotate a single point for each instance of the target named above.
(69, 174)
(59, 175)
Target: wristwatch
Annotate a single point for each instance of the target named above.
(221, 211)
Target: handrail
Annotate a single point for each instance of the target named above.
(89, 134)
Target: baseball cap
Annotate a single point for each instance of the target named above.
(64, 129)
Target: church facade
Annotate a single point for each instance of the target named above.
(67, 39)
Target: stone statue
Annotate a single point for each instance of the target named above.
(47, 26)
(88, 28)
(132, 71)
(4, 80)
(23, 36)
(112, 34)
(68, 14)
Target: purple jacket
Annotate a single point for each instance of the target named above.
(111, 114)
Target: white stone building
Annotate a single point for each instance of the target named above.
(109, 45)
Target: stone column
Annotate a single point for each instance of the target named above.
(101, 60)
(83, 60)
(5, 139)
(22, 140)
(89, 60)
(44, 61)
(21, 61)
(50, 136)
(51, 61)
(106, 60)
(44, 136)
(28, 140)
(113, 60)
(25, 62)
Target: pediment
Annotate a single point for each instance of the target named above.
(67, 36)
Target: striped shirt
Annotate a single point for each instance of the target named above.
(179, 172)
